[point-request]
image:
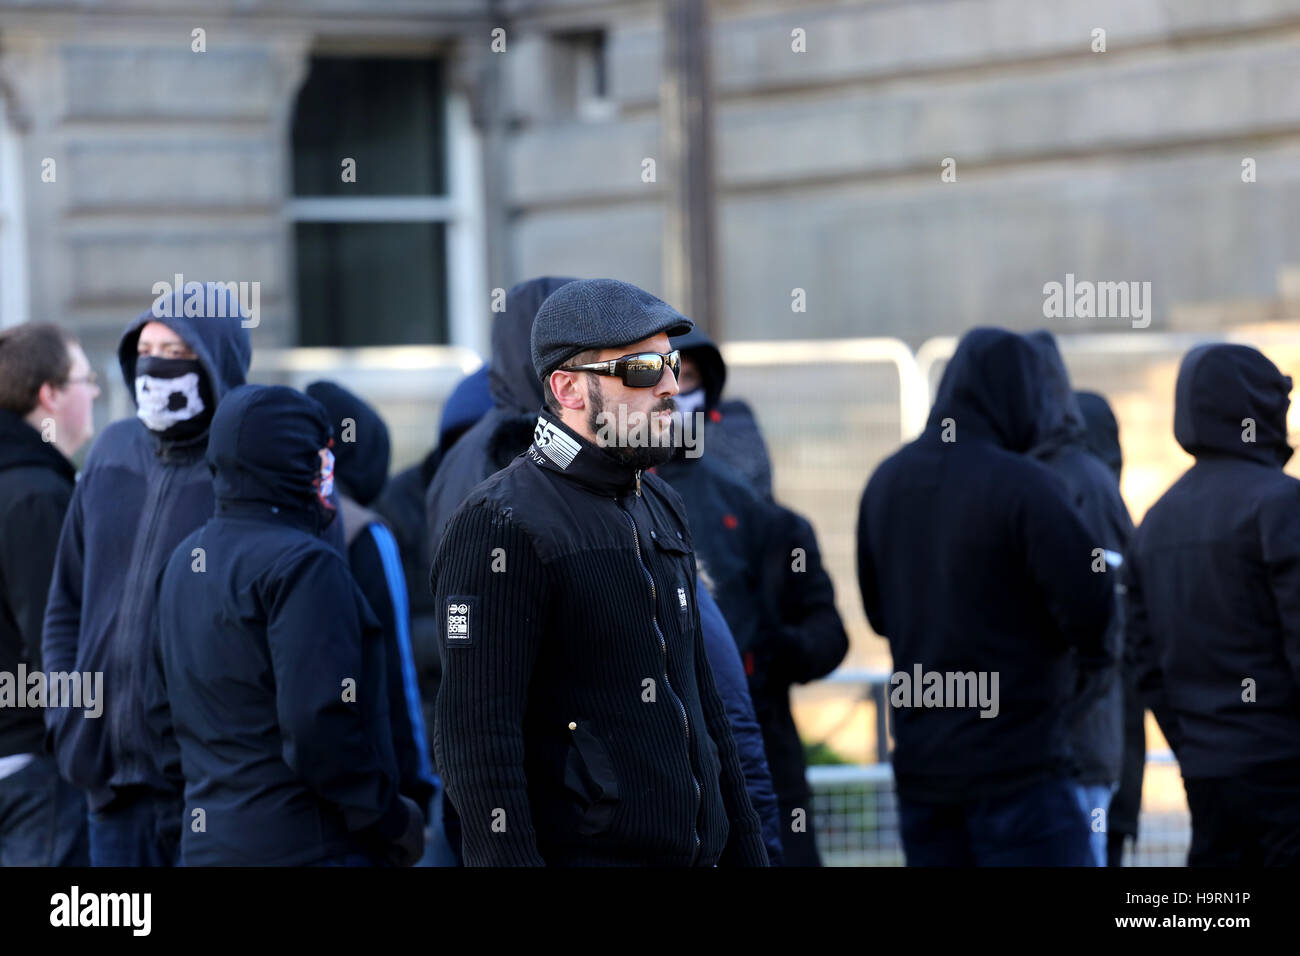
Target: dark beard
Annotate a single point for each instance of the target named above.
(641, 458)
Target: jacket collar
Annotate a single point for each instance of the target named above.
(22, 445)
(179, 452)
(557, 447)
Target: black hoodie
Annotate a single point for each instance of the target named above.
(1214, 575)
(731, 434)
(1101, 431)
(1096, 732)
(971, 560)
(36, 484)
(138, 496)
(273, 662)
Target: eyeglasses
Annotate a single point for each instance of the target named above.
(90, 378)
(640, 370)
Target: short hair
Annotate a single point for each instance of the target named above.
(31, 355)
(580, 358)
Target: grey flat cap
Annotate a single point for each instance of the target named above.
(598, 314)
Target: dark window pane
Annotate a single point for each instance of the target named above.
(384, 113)
(371, 283)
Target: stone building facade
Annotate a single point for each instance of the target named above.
(833, 121)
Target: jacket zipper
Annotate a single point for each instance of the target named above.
(135, 592)
(663, 645)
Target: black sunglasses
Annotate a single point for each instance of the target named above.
(641, 370)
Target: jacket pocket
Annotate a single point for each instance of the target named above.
(676, 555)
(674, 542)
(589, 775)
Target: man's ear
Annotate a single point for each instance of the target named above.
(564, 386)
(48, 398)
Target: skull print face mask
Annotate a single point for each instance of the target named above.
(172, 397)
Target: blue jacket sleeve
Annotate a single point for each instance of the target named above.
(733, 688)
(377, 570)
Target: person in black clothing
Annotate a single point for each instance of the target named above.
(144, 486)
(492, 442)
(271, 663)
(804, 641)
(504, 434)
(47, 393)
(578, 721)
(1097, 733)
(1102, 437)
(361, 456)
(1214, 610)
(975, 567)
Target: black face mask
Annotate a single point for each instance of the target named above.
(173, 397)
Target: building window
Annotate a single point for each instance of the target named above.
(580, 75)
(373, 254)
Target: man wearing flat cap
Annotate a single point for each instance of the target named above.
(578, 723)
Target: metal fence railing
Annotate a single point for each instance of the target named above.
(855, 817)
(855, 810)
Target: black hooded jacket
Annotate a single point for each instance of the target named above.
(503, 433)
(137, 497)
(1214, 575)
(970, 561)
(1101, 430)
(36, 484)
(361, 456)
(1097, 732)
(272, 662)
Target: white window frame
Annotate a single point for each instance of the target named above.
(460, 209)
